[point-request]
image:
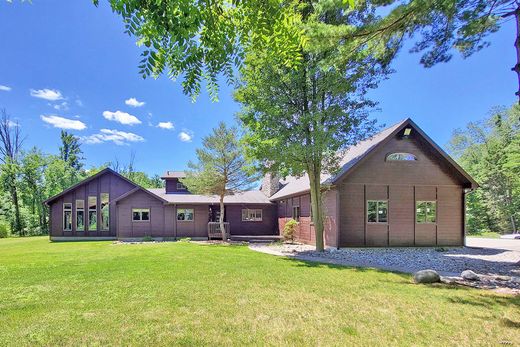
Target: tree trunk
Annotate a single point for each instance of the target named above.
(221, 219)
(317, 208)
(513, 223)
(17, 220)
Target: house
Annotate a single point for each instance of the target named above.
(397, 188)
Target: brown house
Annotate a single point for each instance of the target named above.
(397, 188)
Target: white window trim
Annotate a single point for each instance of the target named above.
(299, 214)
(80, 209)
(185, 220)
(101, 211)
(401, 160)
(425, 222)
(63, 216)
(250, 212)
(140, 211)
(377, 210)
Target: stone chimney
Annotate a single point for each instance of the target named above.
(270, 184)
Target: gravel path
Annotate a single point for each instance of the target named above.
(447, 262)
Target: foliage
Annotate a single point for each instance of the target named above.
(70, 151)
(438, 26)
(489, 151)
(300, 120)
(289, 229)
(138, 293)
(199, 40)
(221, 168)
(147, 238)
(4, 229)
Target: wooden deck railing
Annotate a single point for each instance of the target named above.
(214, 231)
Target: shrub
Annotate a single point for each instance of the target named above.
(185, 239)
(147, 238)
(289, 229)
(4, 230)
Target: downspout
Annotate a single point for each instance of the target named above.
(175, 221)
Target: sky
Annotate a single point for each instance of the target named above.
(69, 64)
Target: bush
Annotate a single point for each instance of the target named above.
(147, 238)
(4, 230)
(289, 229)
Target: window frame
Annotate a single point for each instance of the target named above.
(140, 212)
(92, 210)
(80, 209)
(184, 211)
(65, 210)
(107, 206)
(425, 220)
(387, 158)
(181, 186)
(252, 212)
(299, 214)
(377, 211)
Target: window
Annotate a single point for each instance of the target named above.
(92, 213)
(105, 211)
(185, 214)
(180, 186)
(251, 215)
(80, 215)
(296, 213)
(401, 157)
(67, 216)
(426, 211)
(140, 214)
(377, 211)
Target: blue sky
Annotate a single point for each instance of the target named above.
(80, 54)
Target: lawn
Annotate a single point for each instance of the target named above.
(99, 293)
(486, 234)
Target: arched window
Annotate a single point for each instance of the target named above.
(401, 156)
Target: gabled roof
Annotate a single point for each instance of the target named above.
(354, 155)
(86, 180)
(174, 174)
(247, 197)
(141, 189)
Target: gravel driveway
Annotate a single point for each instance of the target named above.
(448, 262)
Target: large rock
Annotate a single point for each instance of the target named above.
(469, 275)
(426, 276)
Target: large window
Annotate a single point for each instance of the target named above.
(185, 214)
(67, 216)
(180, 186)
(426, 211)
(401, 156)
(105, 211)
(377, 211)
(140, 214)
(80, 215)
(251, 215)
(296, 213)
(92, 213)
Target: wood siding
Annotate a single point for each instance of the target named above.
(402, 184)
(106, 183)
(265, 227)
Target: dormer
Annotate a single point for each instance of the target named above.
(173, 184)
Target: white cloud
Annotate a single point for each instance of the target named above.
(64, 106)
(5, 88)
(63, 123)
(79, 102)
(186, 135)
(118, 137)
(134, 102)
(12, 124)
(166, 125)
(121, 117)
(47, 94)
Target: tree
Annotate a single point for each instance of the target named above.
(10, 148)
(299, 121)
(202, 39)
(221, 168)
(70, 151)
(32, 168)
(442, 25)
(489, 151)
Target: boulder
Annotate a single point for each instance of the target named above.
(469, 275)
(426, 276)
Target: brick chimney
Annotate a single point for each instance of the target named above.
(270, 184)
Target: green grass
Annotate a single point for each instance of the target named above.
(99, 293)
(486, 234)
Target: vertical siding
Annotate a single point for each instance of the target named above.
(401, 216)
(352, 223)
(450, 220)
(266, 227)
